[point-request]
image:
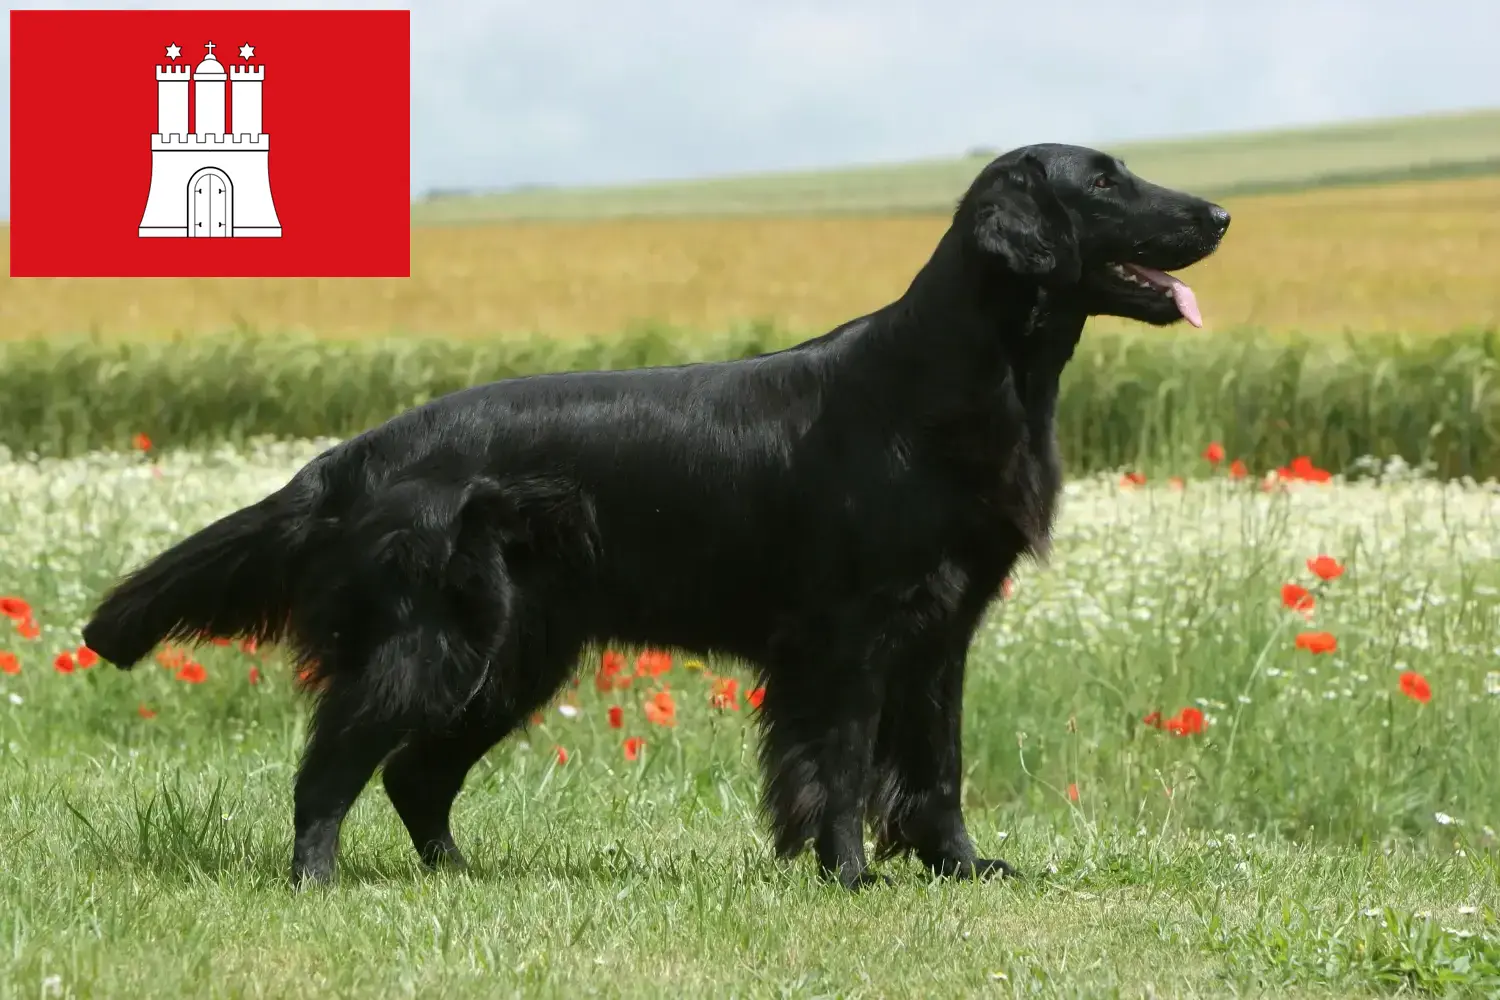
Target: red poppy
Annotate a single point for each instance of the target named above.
(1237, 470)
(1073, 792)
(1415, 687)
(633, 747)
(29, 629)
(86, 657)
(616, 717)
(219, 641)
(562, 755)
(9, 663)
(1153, 719)
(611, 672)
(172, 657)
(141, 442)
(15, 609)
(144, 712)
(1326, 567)
(661, 709)
(254, 676)
(726, 693)
(1176, 482)
(1133, 479)
(653, 663)
(63, 663)
(1188, 722)
(249, 646)
(756, 696)
(193, 673)
(1317, 642)
(1007, 588)
(1214, 453)
(1297, 598)
(1302, 468)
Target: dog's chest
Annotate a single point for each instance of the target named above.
(994, 473)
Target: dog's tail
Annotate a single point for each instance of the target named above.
(229, 580)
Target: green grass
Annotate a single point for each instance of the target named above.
(1149, 401)
(1215, 166)
(1324, 835)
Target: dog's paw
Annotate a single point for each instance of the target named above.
(865, 880)
(978, 869)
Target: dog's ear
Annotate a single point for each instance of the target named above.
(1020, 221)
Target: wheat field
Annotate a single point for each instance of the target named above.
(1417, 257)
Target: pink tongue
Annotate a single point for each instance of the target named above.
(1187, 302)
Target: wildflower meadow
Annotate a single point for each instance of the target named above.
(1239, 734)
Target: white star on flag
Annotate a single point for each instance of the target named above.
(247, 50)
(174, 50)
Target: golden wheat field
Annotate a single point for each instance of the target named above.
(1418, 256)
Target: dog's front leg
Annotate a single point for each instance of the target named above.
(918, 767)
(820, 721)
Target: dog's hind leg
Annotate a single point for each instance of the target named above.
(342, 753)
(418, 676)
(424, 777)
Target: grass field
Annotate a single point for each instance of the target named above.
(1206, 799)
(1126, 400)
(1217, 165)
(1417, 257)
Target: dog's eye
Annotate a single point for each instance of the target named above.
(1103, 181)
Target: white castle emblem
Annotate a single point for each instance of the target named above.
(211, 181)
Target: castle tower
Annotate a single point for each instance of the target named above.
(211, 181)
(172, 99)
(208, 95)
(244, 84)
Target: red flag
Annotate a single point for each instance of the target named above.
(287, 133)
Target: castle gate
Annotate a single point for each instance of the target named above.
(210, 203)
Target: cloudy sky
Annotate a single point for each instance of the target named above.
(589, 91)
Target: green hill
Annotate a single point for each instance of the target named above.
(1216, 166)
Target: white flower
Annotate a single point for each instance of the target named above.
(568, 711)
(1444, 819)
(15, 699)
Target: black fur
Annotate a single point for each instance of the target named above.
(839, 514)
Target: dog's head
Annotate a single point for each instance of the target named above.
(1074, 218)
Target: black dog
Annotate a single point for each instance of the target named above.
(839, 514)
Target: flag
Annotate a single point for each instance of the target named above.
(282, 138)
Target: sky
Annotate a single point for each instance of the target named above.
(594, 92)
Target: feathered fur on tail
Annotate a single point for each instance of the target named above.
(228, 580)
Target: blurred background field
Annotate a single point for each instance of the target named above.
(1222, 165)
(1353, 311)
(1389, 227)
(1147, 401)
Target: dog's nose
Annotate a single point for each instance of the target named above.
(1221, 219)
